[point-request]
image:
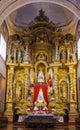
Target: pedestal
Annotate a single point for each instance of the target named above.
(9, 113)
(73, 112)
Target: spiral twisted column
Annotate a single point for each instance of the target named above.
(71, 82)
(74, 87)
(56, 83)
(26, 85)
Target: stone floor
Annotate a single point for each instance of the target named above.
(11, 127)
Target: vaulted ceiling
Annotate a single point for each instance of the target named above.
(59, 15)
(23, 13)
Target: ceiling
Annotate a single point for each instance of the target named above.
(59, 15)
(76, 3)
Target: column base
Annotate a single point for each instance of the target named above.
(72, 116)
(73, 113)
(9, 115)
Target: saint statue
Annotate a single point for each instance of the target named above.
(40, 96)
(50, 73)
(41, 77)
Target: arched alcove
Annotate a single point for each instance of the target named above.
(41, 65)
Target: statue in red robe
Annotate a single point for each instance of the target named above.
(49, 81)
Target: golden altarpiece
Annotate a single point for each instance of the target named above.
(41, 47)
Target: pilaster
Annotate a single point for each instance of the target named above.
(73, 108)
(26, 84)
(9, 99)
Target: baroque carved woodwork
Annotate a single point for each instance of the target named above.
(41, 46)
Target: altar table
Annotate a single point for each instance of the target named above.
(40, 121)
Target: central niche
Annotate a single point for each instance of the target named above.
(41, 71)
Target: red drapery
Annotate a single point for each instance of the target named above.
(45, 92)
(36, 92)
(49, 81)
(44, 88)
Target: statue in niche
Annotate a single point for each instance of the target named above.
(19, 92)
(40, 96)
(41, 77)
(19, 55)
(32, 76)
(63, 91)
(50, 81)
(63, 55)
(50, 73)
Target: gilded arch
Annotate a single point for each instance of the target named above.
(43, 64)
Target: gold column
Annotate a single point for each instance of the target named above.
(15, 51)
(68, 55)
(75, 77)
(32, 80)
(73, 111)
(56, 83)
(26, 71)
(71, 82)
(57, 57)
(9, 100)
(75, 51)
